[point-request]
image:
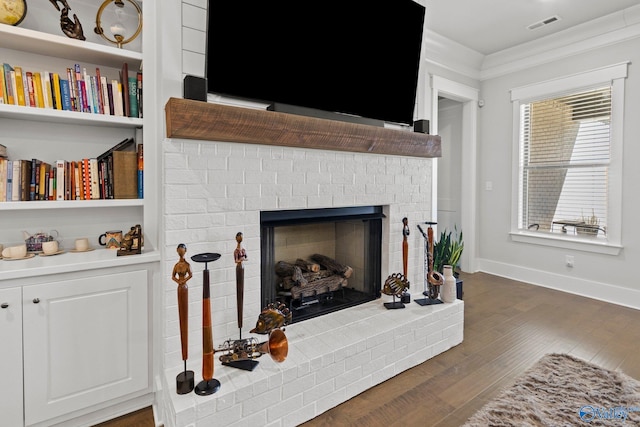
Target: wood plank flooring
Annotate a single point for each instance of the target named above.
(508, 326)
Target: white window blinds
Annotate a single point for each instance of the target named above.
(564, 163)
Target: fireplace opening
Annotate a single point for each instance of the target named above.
(317, 261)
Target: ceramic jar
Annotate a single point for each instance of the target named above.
(448, 291)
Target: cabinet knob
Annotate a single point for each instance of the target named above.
(36, 300)
(4, 305)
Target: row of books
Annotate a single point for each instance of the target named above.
(115, 174)
(75, 90)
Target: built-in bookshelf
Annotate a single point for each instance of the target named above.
(51, 134)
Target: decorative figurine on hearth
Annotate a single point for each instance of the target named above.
(181, 274)
(396, 285)
(432, 279)
(71, 28)
(405, 297)
(239, 256)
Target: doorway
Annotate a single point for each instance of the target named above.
(454, 199)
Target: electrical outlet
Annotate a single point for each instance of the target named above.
(569, 261)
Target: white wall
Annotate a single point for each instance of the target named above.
(607, 277)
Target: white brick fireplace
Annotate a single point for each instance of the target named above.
(214, 189)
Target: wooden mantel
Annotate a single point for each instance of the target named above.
(189, 119)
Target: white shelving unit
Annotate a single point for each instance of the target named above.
(36, 289)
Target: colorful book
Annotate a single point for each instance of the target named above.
(25, 179)
(93, 172)
(3, 88)
(43, 181)
(10, 96)
(30, 90)
(15, 191)
(132, 93)
(19, 86)
(57, 92)
(9, 180)
(60, 179)
(39, 93)
(3, 179)
(46, 89)
(140, 171)
(139, 77)
(65, 91)
(123, 93)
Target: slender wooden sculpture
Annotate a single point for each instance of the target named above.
(405, 245)
(208, 385)
(181, 274)
(239, 256)
(432, 279)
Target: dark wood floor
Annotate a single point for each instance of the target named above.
(508, 326)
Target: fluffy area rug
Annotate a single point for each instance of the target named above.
(561, 390)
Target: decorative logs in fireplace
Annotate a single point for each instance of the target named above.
(318, 276)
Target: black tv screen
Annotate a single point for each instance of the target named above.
(349, 56)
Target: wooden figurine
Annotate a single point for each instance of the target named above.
(181, 274)
(239, 256)
(405, 245)
(132, 242)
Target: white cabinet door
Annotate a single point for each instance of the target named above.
(11, 357)
(85, 342)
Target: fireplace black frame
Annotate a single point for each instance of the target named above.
(270, 220)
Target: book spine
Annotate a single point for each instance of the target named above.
(132, 93)
(139, 77)
(86, 179)
(42, 181)
(110, 94)
(101, 92)
(46, 90)
(17, 173)
(8, 84)
(140, 171)
(93, 172)
(19, 86)
(60, 179)
(107, 103)
(39, 93)
(57, 91)
(31, 92)
(25, 180)
(34, 176)
(88, 91)
(65, 91)
(124, 91)
(52, 184)
(3, 179)
(8, 165)
(3, 88)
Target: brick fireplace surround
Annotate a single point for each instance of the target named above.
(223, 165)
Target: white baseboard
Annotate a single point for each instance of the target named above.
(587, 288)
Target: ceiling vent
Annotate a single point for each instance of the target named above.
(544, 22)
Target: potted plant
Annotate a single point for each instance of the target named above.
(589, 225)
(447, 250)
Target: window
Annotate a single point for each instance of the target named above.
(568, 163)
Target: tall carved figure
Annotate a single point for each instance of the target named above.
(208, 385)
(181, 274)
(405, 245)
(239, 256)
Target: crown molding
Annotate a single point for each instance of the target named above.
(601, 32)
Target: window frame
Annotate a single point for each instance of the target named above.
(615, 75)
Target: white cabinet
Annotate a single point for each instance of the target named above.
(87, 342)
(11, 357)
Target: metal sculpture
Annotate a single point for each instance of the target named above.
(432, 279)
(71, 28)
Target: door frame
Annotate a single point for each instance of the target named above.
(468, 96)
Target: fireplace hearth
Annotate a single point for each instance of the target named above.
(345, 243)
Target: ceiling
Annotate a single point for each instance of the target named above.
(489, 26)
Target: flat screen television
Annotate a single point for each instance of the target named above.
(356, 57)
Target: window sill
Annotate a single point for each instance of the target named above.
(601, 246)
